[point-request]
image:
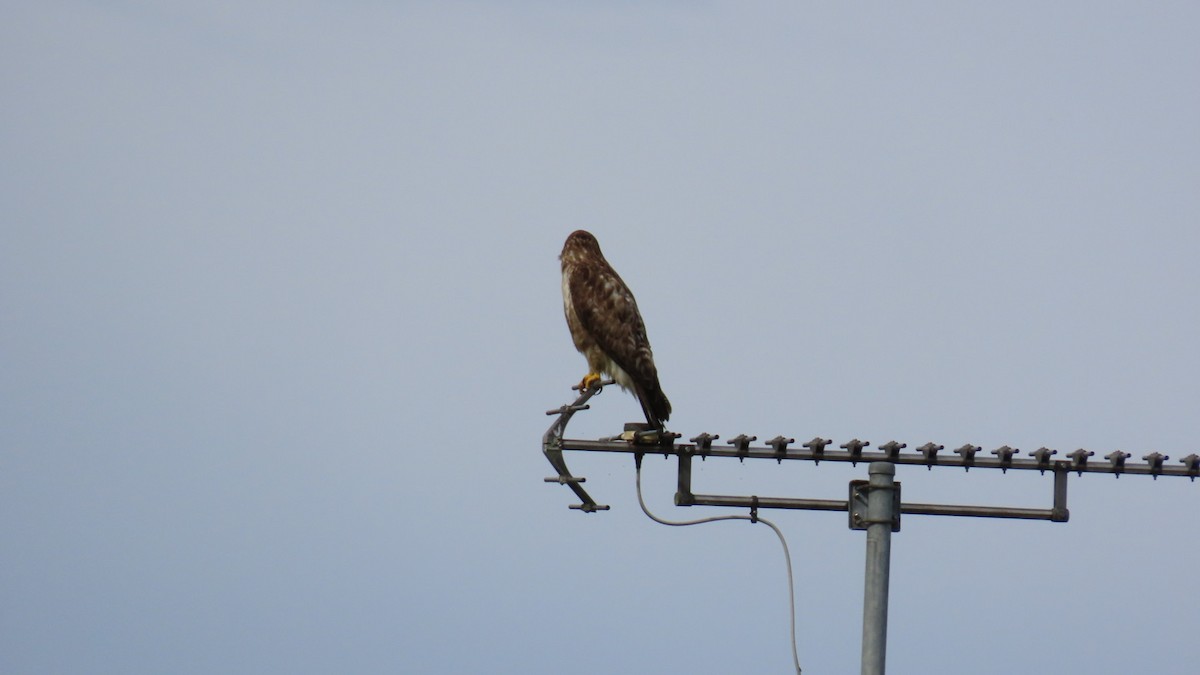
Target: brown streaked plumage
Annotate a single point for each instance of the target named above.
(606, 326)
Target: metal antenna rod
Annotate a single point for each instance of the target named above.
(879, 521)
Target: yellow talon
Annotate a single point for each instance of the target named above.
(590, 380)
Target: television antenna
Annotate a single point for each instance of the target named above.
(873, 505)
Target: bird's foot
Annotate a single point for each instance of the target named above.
(590, 380)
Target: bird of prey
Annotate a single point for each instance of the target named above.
(606, 326)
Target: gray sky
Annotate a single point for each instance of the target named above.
(281, 317)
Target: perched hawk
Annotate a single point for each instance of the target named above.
(606, 326)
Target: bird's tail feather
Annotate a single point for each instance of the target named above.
(655, 406)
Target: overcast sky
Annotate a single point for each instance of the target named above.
(280, 318)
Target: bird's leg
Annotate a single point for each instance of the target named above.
(590, 380)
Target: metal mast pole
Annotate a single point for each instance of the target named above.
(880, 515)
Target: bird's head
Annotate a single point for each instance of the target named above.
(579, 244)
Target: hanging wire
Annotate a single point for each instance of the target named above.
(787, 556)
